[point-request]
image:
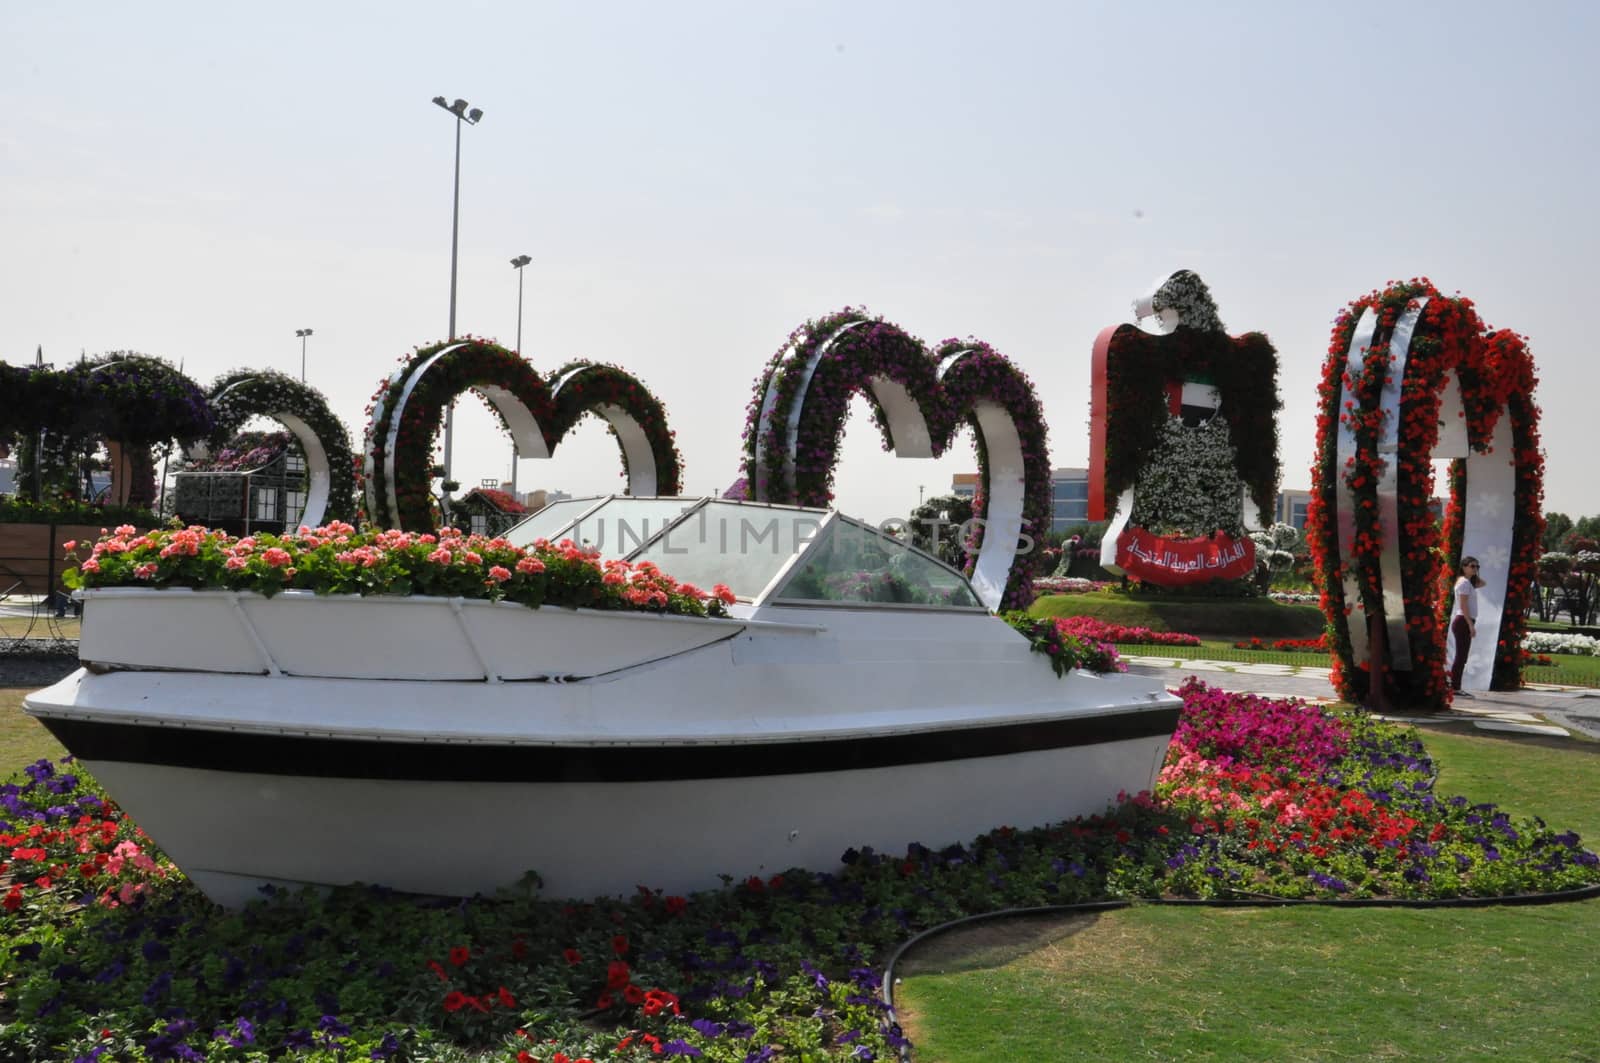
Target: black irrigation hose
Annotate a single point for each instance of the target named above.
(1558, 897)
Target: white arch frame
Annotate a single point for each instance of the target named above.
(524, 426)
(1488, 505)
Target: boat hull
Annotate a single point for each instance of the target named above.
(447, 747)
(666, 818)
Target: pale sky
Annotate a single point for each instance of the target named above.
(692, 181)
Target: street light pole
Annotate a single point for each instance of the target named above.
(517, 264)
(471, 117)
(302, 333)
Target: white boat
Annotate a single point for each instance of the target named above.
(859, 694)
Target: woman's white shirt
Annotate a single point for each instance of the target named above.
(1466, 599)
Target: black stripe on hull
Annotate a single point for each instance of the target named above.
(286, 755)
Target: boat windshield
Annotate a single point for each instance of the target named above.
(556, 517)
(854, 563)
(625, 523)
(743, 545)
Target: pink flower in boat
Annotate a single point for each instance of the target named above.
(91, 565)
(441, 556)
(276, 556)
(614, 578)
(145, 571)
(499, 573)
(724, 594)
(473, 557)
(235, 563)
(530, 566)
(126, 530)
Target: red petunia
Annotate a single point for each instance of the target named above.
(505, 998)
(459, 955)
(617, 975)
(619, 945)
(572, 956)
(455, 1000)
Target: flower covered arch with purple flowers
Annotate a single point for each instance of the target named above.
(920, 401)
(632, 414)
(136, 401)
(408, 411)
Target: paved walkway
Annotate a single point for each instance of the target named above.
(1541, 709)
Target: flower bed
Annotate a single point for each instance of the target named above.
(107, 959)
(1067, 585)
(1087, 627)
(1067, 649)
(1552, 642)
(1316, 645)
(338, 560)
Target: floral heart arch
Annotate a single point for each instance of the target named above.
(408, 409)
(920, 401)
(1413, 375)
(330, 466)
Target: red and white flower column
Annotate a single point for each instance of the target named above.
(1413, 375)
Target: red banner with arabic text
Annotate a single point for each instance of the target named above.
(1165, 560)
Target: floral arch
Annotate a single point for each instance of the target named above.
(1413, 375)
(920, 401)
(237, 396)
(632, 414)
(408, 409)
(136, 401)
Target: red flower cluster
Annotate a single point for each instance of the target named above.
(1316, 645)
(1088, 627)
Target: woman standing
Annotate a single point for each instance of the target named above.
(1464, 620)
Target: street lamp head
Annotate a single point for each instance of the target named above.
(475, 115)
(440, 101)
(520, 261)
(459, 106)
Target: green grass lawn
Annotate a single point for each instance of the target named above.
(44, 626)
(23, 739)
(1308, 983)
(1232, 617)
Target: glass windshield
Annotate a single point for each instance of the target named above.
(625, 523)
(861, 564)
(549, 520)
(743, 546)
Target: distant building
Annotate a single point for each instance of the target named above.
(1293, 503)
(1069, 498)
(257, 483)
(488, 511)
(1069, 495)
(1291, 507)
